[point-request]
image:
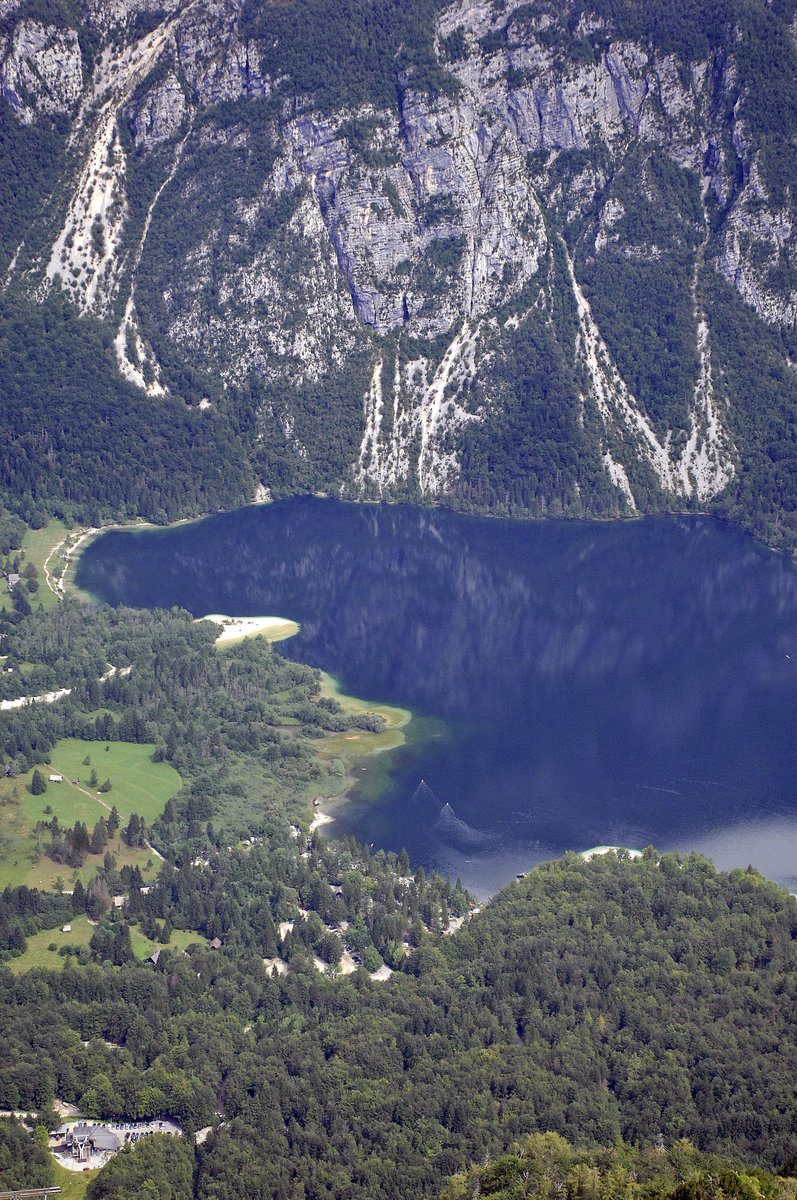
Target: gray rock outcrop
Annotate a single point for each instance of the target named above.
(277, 239)
(41, 70)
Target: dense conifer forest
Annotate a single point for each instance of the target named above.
(617, 1001)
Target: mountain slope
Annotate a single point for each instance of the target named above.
(510, 255)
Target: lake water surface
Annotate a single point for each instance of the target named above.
(576, 684)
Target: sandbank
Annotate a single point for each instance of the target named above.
(275, 629)
(356, 744)
(320, 818)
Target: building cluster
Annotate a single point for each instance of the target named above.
(82, 1142)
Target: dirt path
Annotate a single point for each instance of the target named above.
(52, 583)
(91, 795)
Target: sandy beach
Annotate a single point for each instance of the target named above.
(276, 629)
(318, 820)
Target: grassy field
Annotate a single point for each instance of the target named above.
(138, 785)
(17, 839)
(181, 939)
(45, 873)
(38, 954)
(38, 544)
(73, 1184)
(142, 947)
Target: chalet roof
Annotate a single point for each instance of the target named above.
(98, 1136)
(104, 1139)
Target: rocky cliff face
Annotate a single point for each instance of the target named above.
(371, 275)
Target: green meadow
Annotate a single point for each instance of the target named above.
(38, 545)
(39, 954)
(181, 939)
(138, 785)
(44, 873)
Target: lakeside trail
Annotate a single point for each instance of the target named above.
(72, 542)
(54, 584)
(72, 546)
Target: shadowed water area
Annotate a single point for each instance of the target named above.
(575, 684)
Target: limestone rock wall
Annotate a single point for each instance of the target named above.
(419, 237)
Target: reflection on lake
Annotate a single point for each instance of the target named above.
(599, 683)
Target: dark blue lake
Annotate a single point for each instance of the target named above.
(624, 684)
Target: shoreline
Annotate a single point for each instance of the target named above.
(84, 534)
(348, 750)
(320, 818)
(75, 542)
(60, 585)
(235, 629)
(348, 789)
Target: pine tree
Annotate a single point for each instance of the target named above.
(78, 898)
(38, 784)
(132, 832)
(122, 950)
(99, 836)
(79, 844)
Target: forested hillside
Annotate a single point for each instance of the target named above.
(323, 1011)
(508, 256)
(546, 1164)
(645, 1001)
